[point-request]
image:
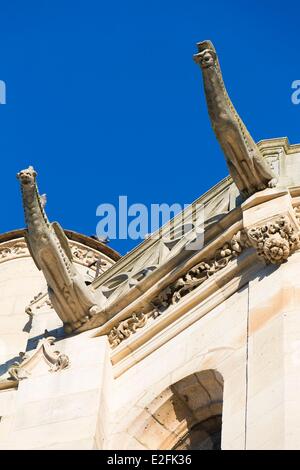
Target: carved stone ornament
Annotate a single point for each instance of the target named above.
(39, 301)
(22, 369)
(13, 249)
(46, 350)
(74, 302)
(175, 292)
(274, 241)
(248, 169)
(88, 257)
(126, 328)
(297, 213)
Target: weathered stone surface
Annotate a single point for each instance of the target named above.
(73, 301)
(248, 169)
(200, 348)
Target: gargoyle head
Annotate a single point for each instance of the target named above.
(27, 176)
(206, 56)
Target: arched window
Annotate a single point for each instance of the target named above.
(186, 415)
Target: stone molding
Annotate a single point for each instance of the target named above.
(272, 149)
(126, 327)
(173, 294)
(274, 239)
(185, 313)
(274, 243)
(277, 146)
(13, 249)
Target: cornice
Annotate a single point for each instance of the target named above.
(136, 324)
(267, 146)
(164, 275)
(153, 239)
(181, 316)
(141, 297)
(136, 293)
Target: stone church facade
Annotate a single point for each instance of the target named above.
(167, 347)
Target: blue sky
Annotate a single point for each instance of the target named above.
(103, 98)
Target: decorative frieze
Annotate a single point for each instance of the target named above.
(274, 242)
(175, 292)
(88, 257)
(201, 272)
(126, 327)
(13, 249)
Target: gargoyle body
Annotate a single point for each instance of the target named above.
(71, 298)
(248, 169)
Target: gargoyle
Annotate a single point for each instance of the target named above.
(72, 299)
(247, 167)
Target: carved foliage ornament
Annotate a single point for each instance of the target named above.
(85, 256)
(173, 294)
(126, 327)
(274, 241)
(13, 249)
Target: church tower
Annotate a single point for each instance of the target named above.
(176, 345)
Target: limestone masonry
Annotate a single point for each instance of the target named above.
(165, 347)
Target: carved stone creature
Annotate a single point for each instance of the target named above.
(73, 301)
(22, 368)
(247, 167)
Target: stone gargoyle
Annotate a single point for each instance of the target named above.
(247, 167)
(74, 302)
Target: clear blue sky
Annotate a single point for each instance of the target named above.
(103, 97)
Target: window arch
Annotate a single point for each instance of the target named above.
(186, 415)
